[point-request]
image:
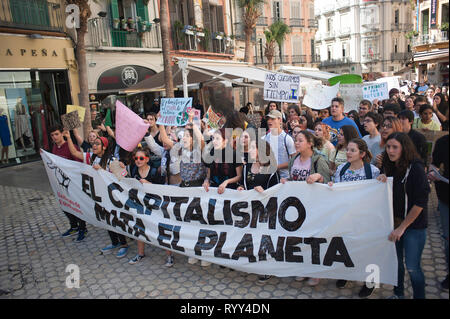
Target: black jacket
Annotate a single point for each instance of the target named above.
(440, 156)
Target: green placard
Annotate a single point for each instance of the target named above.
(346, 79)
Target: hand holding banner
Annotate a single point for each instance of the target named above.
(130, 128)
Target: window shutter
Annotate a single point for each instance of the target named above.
(114, 9)
(141, 10)
(206, 14)
(220, 25)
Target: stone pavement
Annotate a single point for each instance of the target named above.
(33, 261)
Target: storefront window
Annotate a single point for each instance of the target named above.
(30, 103)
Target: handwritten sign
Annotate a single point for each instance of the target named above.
(130, 128)
(352, 95)
(70, 120)
(319, 96)
(281, 87)
(81, 111)
(212, 119)
(375, 90)
(392, 82)
(174, 111)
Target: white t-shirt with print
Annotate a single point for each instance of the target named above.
(278, 146)
(354, 175)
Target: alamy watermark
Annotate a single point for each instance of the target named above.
(373, 279)
(73, 280)
(73, 17)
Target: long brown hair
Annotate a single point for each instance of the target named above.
(409, 154)
(362, 146)
(396, 126)
(311, 139)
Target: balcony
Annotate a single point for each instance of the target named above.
(329, 35)
(275, 19)
(396, 26)
(284, 59)
(260, 60)
(262, 21)
(401, 56)
(299, 59)
(370, 57)
(335, 62)
(102, 34)
(240, 34)
(32, 15)
(312, 23)
(315, 58)
(370, 27)
(344, 32)
(297, 23)
(430, 39)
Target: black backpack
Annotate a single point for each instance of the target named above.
(367, 170)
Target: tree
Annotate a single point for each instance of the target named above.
(276, 34)
(80, 54)
(164, 18)
(250, 16)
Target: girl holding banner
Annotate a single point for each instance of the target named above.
(410, 199)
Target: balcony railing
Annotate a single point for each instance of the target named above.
(315, 58)
(275, 19)
(344, 32)
(370, 27)
(430, 39)
(402, 56)
(297, 22)
(299, 59)
(284, 59)
(312, 23)
(102, 34)
(240, 34)
(370, 57)
(32, 15)
(262, 21)
(260, 60)
(335, 62)
(328, 35)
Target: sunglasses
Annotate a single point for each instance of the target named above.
(141, 158)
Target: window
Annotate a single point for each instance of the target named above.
(295, 10)
(329, 53)
(311, 11)
(344, 46)
(397, 16)
(277, 9)
(444, 13)
(395, 45)
(329, 24)
(425, 21)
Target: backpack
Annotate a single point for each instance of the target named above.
(367, 170)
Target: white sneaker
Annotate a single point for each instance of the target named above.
(192, 261)
(313, 282)
(300, 278)
(205, 263)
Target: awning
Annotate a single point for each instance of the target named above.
(439, 54)
(310, 73)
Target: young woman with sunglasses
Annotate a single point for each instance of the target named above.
(410, 200)
(100, 158)
(389, 125)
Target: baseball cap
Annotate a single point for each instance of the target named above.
(275, 114)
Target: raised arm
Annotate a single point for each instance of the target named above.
(154, 147)
(77, 136)
(163, 136)
(75, 153)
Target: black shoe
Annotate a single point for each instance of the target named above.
(365, 292)
(444, 284)
(341, 283)
(264, 278)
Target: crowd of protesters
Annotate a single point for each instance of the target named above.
(379, 139)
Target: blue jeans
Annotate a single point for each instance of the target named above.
(443, 209)
(410, 246)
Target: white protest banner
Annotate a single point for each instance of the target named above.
(288, 230)
(352, 94)
(392, 82)
(130, 127)
(319, 96)
(281, 87)
(375, 90)
(174, 111)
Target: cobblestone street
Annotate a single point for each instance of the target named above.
(34, 257)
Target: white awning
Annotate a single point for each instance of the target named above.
(431, 55)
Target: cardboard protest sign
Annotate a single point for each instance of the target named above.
(70, 120)
(212, 119)
(392, 82)
(81, 111)
(352, 94)
(287, 231)
(281, 87)
(174, 111)
(319, 96)
(375, 90)
(130, 128)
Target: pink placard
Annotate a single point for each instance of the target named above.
(130, 128)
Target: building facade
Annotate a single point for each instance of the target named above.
(363, 36)
(38, 75)
(431, 43)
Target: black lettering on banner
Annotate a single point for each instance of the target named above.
(296, 224)
(337, 245)
(176, 239)
(227, 212)
(93, 195)
(133, 201)
(218, 250)
(178, 202)
(164, 205)
(290, 249)
(211, 211)
(127, 218)
(198, 215)
(101, 214)
(139, 229)
(236, 209)
(162, 228)
(116, 221)
(201, 241)
(245, 249)
(267, 247)
(111, 188)
(268, 213)
(85, 184)
(150, 207)
(315, 248)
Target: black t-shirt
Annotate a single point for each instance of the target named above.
(221, 171)
(440, 156)
(152, 176)
(86, 147)
(250, 180)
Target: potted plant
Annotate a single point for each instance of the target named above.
(188, 29)
(131, 23)
(444, 26)
(179, 33)
(124, 24)
(116, 22)
(205, 39)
